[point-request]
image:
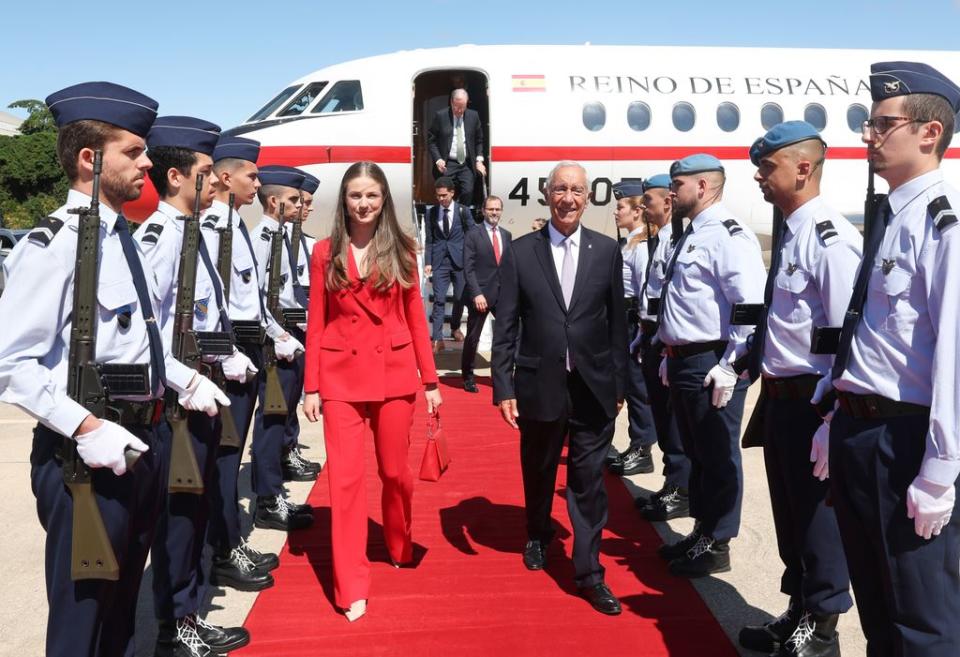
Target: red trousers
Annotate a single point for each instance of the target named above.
(345, 432)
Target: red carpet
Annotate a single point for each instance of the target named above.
(470, 594)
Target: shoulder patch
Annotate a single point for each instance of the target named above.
(152, 233)
(732, 227)
(45, 230)
(265, 234)
(211, 221)
(943, 215)
(827, 232)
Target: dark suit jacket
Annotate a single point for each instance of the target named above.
(480, 267)
(593, 328)
(437, 244)
(440, 135)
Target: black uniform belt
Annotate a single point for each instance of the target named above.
(648, 327)
(872, 407)
(791, 388)
(694, 348)
(134, 413)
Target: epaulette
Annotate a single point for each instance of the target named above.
(943, 215)
(152, 235)
(45, 230)
(732, 227)
(827, 232)
(265, 234)
(211, 221)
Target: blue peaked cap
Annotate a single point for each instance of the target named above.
(184, 132)
(659, 181)
(280, 175)
(691, 164)
(104, 101)
(627, 188)
(889, 79)
(310, 183)
(240, 148)
(783, 135)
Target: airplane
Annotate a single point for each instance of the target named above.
(624, 112)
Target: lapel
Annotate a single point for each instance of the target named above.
(584, 262)
(360, 292)
(545, 256)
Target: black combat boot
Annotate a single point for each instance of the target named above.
(670, 505)
(706, 557)
(815, 636)
(671, 551)
(768, 638)
(274, 512)
(236, 570)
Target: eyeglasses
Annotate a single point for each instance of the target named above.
(879, 125)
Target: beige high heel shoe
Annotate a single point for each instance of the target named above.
(356, 610)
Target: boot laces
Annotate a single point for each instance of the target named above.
(244, 563)
(288, 508)
(249, 550)
(672, 496)
(802, 635)
(701, 547)
(187, 635)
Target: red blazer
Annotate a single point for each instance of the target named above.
(363, 344)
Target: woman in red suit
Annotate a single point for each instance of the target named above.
(368, 352)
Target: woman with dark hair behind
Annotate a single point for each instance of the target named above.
(366, 342)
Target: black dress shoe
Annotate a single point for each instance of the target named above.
(636, 461)
(768, 638)
(470, 386)
(642, 502)
(675, 504)
(236, 570)
(535, 555)
(815, 636)
(602, 599)
(179, 638)
(612, 456)
(265, 561)
(706, 557)
(294, 468)
(274, 512)
(222, 639)
(671, 551)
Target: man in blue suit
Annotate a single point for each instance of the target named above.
(447, 223)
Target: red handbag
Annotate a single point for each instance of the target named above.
(436, 459)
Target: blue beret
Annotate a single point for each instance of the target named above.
(889, 79)
(240, 148)
(627, 188)
(782, 135)
(310, 183)
(184, 132)
(106, 102)
(281, 175)
(659, 181)
(699, 163)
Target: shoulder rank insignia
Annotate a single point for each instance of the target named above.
(943, 215)
(732, 227)
(826, 232)
(211, 221)
(265, 234)
(152, 233)
(45, 230)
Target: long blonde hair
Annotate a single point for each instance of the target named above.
(392, 254)
(649, 230)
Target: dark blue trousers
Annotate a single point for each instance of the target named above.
(815, 568)
(96, 618)
(269, 431)
(178, 545)
(711, 438)
(642, 430)
(907, 588)
(445, 273)
(223, 532)
(676, 465)
(291, 432)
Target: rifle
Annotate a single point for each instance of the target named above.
(229, 434)
(92, 555)
(296, 238)
(871, 205)
(274, 402)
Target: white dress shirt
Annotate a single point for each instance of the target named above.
(261, 238)
(557, 248)
(635, 259)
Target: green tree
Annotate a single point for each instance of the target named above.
(39, 118)
(32, 184)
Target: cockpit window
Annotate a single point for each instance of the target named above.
(303, 99)
(276, 102)
(344, 96)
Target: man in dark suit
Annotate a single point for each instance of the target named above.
(447, 223)
(455, 140)
(483, 251)
(566, 283)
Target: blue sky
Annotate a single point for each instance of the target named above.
(223, 60)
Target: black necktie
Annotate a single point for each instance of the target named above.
(446, 222)
(256, 271)
(298, 292)
(217, 289)
(760, 334)
(855, 309)
(668, 274)
(158, 372)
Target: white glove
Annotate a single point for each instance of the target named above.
(287, 348)
(203, 395)
(302, 326)
(723, 381)
(820, 450)
(823, 387)
(929, 505)
(237, 367)
(104, 447)
(663, 372)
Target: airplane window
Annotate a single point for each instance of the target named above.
(728, 117)
(303, 99)
(594, 116)
(684, 116)
(770, 115)
(815, 115)
(344, 96)
(856, 115)
(276, 102)
(638, 116)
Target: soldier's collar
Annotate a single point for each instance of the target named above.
(902, 195)
(798, 217)
(77, 199)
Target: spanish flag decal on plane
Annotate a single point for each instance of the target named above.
(529, 83)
